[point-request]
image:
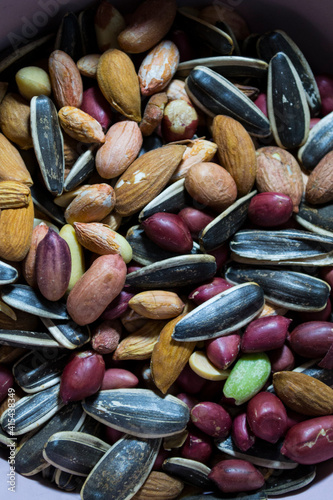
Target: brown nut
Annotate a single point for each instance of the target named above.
(153, 113)
(319, 187)
(106, 336)
(66, 81)
(12, 166)
(80, 126)
(157, 304)
(15, 120)
(92, 204)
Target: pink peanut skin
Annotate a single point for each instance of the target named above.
(106, 336)
(236, 475)
(198, 446)
(325, 86)
(99, 285)
(265, 334)
(195, 219)
(281, 359)
(118, 306)
(310, 442)
(312, 339)
(241, 433)
(6, 381)
(209, 290)
(118, 378)
(95, 104)
(223, 351)
(270, 209)
(267, 416)
(169, 232)
(212, 419)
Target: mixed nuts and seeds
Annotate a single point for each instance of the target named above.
(166, 247)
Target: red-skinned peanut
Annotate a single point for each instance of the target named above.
(312, 339)
(241, 433)
(209, 290)
(267, 416)
(6, 381)
(198, 446)
(212, 419)
(265, 334)
(270, 209)
(95, 104)
(234, 475)
(195, 219)
(187, 399)
(281, 359)
(325, 87)
(169, 232)
(118, 378)
(189, 381)
(223, 351)
(118, 306)
(180, 121)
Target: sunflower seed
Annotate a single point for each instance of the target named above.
(289, 480)
(318, 219)
(68, 37)
(29, 456)
(68, 333)
(293, 290)
(17, 54)
(44, 203)
(215, 95)
(66, 481)
(287, 107)
(224, 313)
(318, 144)
(178, 271)
(25, 298)
(226, 224)
(122, 470)
(5, 439)
(32, 411)
(39, 369)
(227, 66)
(48, 142)
(189, 471)
(139, 412)
(82, 168)
(48, 473)
(210, 35)
(171, 199)
(74, 452)
(27, 339)
(87, 30)
(8, 273)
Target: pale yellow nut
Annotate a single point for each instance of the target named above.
(201, 365)
(37, 221)
(67, 232)
(8, 311)
(87, 65)
(33, 81)
(157, 304)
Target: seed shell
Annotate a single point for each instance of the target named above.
(48, 142)
(139, 412)
(318, 219)
(74, 452)
(68, 333)
(5, 439)
(82, 168)
(318, 144)
(24, 298)
(29, 455)
(178, 271)
(289, 480)
(8, 273)
(44, 203)
(189, 471)
(27, 339)
(172, 199)
(224, 313)
(215, 95)
(17, 54)
(66, 481)
(227, 66)
(32, 411)
(294, 290)
(68, 37)
(122, 470)
(226, 224)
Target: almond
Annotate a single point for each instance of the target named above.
(158, 67)
(15, 120)
(140, 344)
(236, 152)
(91, 204)
(159, 486)
(148, 24)
(146, 177)
(80, 126)
(66, 81)
(319, 187)
(12, 166)
(303, 393)
(16, 225)
(279, 172)
(118, 81)
(122, 145)
(13, 194)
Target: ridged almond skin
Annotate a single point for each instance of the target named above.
(119, 83)
(122, 145)
(303, 393)
(158, 67)
(148, 24)
(146, 177)
(16, 226)
(66, 81)
(140, 344)
(91, 204)
(319, 187)
(13, 194)
(80, 126)
(278, 171)
(12, 166)
(236, 152)
(159, 486)
(157, 304)
(15, 120)
(94, 291)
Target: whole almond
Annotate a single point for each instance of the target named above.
(140, 344)
(29, 263)
(157, 304)
(149, 23)
(146, 177)
(99, 285)
(197, 151)
(122, 145)
(158, 67)
(119, 83)
(279, 172)
(15, 120)
(91, 204)
(159, 486)
(236, 152)
(12, 166)
(319, 187)
(80, 126)
(66, 81)
(16, 225)
(303, 393)
(13, 194)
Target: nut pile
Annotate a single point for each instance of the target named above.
(166, 247)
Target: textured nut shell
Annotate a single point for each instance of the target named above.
(66, 81)
(145, 178)
(198, 151)
(140, 344)
(13, 194)
(304, 394)
(119, 83)
(279, 172)
(159, 486)
(236, 152)
(211, 185)
(81, 126)
(99, 285)
(149, 23)
(122, 145)
(16, 227)
(91, 204)
(12, 166)
(157, 304)
(319, 187)
(15, 120)
(158, 67)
